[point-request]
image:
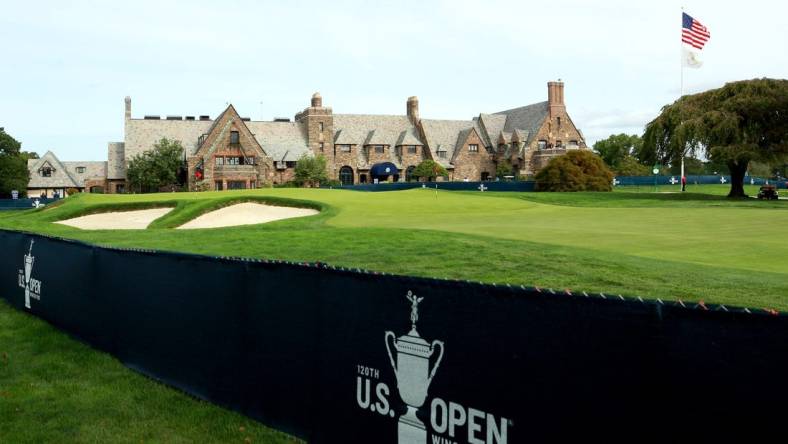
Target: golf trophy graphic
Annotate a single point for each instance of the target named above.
(29, 259)
(413, 375)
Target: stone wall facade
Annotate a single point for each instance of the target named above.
(528, 137)
(472, 165)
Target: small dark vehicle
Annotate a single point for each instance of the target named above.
(768, 192)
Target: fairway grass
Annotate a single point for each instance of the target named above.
(687, 246)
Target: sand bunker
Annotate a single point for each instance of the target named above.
(120, 220)
(245, 214)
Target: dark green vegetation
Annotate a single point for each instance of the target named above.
(311, 170)
(741, 122)
(13, 166)
(156, 168)
(575, 171)
(429, 170)
(622, 153)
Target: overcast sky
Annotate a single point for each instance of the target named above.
(66, 66)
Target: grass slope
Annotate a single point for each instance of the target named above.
(689, 246)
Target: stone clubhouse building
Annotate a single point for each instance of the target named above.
(234, 152)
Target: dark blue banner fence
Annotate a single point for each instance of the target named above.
(694, 180)
(23, 204)
(450, 186)
(346, 356)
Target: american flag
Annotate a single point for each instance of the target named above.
(692, 32)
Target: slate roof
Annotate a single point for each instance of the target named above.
(282, 141)
(527, 118)
(93, 170)
(492, 125)
(64, 174)
(444, 135)
(409, 137)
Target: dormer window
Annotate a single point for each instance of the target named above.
(80, 170)
(46, 172)
(234, 138)
(474, 148)
(442, 154)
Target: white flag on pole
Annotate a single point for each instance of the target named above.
(690, 59)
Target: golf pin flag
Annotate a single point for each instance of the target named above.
(693, 37)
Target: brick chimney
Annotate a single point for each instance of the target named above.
(413, 109)
(555, 97)
(128, 107)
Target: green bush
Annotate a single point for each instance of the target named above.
(579, 170)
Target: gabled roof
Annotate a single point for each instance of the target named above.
(491, 125)
(343, 137)
(526, 118)
(377, 137)
(60, 177)
(222, 123)
(409, 137)
(462, 136)
(443, 135)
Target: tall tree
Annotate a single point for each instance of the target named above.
(13, 166)
(157, 167)
(615, 148)
(430, 170)
(311, 170)
(738, 123)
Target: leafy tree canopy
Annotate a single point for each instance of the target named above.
(578, 170)
(13, 166)
(504, 168)
(691, 166)
(617, 147)
(736, 124)
(157, 167)
(430, 169)
(629, 166)
(311, 170)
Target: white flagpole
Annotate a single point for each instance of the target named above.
(681, 59)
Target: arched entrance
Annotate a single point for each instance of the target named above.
(409, 174)
(485, 176)
(362, 178)
(346, 175)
